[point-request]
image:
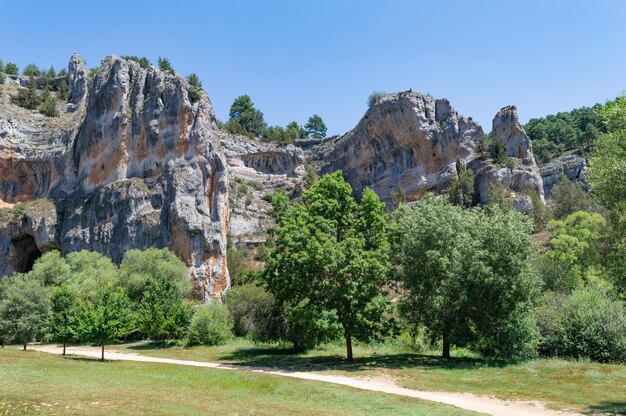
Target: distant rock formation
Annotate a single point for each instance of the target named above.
(131, 162)
(571, 166)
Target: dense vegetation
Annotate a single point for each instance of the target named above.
(247, 120)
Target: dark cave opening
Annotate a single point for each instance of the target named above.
(25, 252)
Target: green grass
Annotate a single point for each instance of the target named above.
(562, 384)
(38, 383)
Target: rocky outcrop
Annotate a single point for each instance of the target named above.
(137, 165)
(520, 174)
(405, 140)
(571, 166)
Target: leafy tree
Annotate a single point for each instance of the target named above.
(246, 117)
(569, 197)
(50, 269)
(467, 275)
(541, 214)
(461, 189)
(49, 107)
(63, 322)
(163, 314)
(108, 318)
(24, 310)
(607, 169)
(210, 325)
(89, 272)
(374, 97)
(27, 97)
(194, 87)
(295, 131)
(165, 65)
(255, 313)
(315, 127)
(141, 270)
(11, 69)
(276, 134)
(329, 262)
(32, 70)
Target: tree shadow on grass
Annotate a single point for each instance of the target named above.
(86, 359)
(284, 358)
(607, 408)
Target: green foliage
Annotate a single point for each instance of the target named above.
(482, 148)
(295, 131)
(461, 188)
(607, 169)
(194, 87)
(398, 197)
(315, 127)
(108, 318)
(50, 269)
(498, 197)
(63, 323)
(575, 130)
(310, 175)
(49, 107)
(255, 313)
(24, 310)
(211, 325)
(276, 134)
(93, 72)
(27, 97)
(468, 275)
(374, 97)
(64, 91)
(245, 119)
(51, 73)
(62, 73)
(541, 214)
(17, 211)
(498, 152)
(142, 61)
(585, 324)
(90, 272)
(329, 262)
(141, 270)
(236, 267)
(1, 66)
(2, 78)
(165, 65)
(32, 70)
(11, 69)
(569, 197)
(163, 313)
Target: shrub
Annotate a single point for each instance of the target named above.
(11, 68)
(27, 97)
(62, 73)
(255, 313)
(374, 97)
(165, 65)
(2, 78)
(142, 61)
(64, 91)
(211, 325)
(49, 107)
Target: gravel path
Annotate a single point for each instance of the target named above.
(468, 401)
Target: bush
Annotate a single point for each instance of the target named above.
(255, 313)
(49, 107)
(374, 97)
(585, 324)
(210, 325)
(27, 97)
(165, 65)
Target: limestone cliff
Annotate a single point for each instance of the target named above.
(130, 162)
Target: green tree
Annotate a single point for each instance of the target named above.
(64, 91)
(295, 131)
(108, 318)
(32, 70)
(569, 197)
(315, 127)
(246, 117)
(27, 97)
(63, 322)
(255, 313)
(141, 270)
(89, 272)
(49, 107)
(194, 87)
(461, 189)
(163, 314)
(11, 68)
(24, 309)
(165, 65)
(51, 74)
(50, 269)
(142, 61)
(329, 262)
(541, 214)
(467, 275)
(62, 73)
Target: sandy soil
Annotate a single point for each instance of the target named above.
(468, 401)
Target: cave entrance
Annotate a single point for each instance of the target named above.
(25, 252)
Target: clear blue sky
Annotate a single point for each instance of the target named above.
(296, 58)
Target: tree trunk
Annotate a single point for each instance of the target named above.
(24, 346)
(63, 348)
(446, 347)
(349, 347)
(102, 358)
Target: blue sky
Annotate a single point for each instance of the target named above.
(296, 58)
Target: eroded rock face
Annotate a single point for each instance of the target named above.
(571, 166)
(405, 140)
(138, 165)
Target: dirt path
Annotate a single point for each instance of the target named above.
(468, 401)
